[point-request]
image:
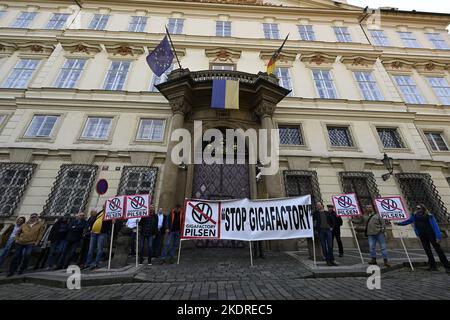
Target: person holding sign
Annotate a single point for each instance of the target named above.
(375, 228)
(99, 234)
(324, 223)
(427, 229)
(173, 234)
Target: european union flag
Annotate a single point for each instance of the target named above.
(161, 58)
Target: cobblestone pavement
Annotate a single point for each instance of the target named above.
(225, 274)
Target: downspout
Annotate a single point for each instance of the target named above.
(366, 14)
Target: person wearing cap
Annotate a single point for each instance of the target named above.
(336, 229)
(58, 242)
(28, 236)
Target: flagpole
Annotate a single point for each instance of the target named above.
(173, 48)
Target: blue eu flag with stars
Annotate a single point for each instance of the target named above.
(161, 58)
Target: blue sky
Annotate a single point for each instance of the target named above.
(419, 5)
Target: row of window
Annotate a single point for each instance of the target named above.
(340, 136)
(95, 128)
(223, 29)
(99, 128)
(117, 74)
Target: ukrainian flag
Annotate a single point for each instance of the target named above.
(225, 94)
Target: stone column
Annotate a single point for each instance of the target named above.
(171, 192)
(273, 182)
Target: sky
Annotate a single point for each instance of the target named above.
(442, 6)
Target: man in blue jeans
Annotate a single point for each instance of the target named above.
(324, 222)
(172, 234)
(375, 228)
(99, 234)
(11, 236)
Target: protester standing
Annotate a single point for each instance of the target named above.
(133, 225)
(29, 235)
(375, 228)
(173, 234)
(336, 229)
(86, 239)
(73, 238)
(324, 223)
(10, 237)
(161, 227)
(99, 234)
(427, 229)
(148, 227)
(58, 242)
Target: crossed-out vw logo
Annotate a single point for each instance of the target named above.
(137, 202)
(389, 205)
(114, 204)
(202, 213)
(345, 202)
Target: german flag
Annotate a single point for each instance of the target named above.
(274, 58)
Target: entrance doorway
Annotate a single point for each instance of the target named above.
(221, 182)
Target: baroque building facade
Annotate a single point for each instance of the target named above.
(79, 103)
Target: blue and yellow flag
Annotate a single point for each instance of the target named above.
(225, 94)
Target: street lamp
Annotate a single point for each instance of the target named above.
(389, 164)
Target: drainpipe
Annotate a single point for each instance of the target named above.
(366, 14)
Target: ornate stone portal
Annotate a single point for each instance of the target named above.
(189, 96)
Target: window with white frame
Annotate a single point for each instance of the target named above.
(390, 138)
(284, 78)
(99, 21)
(176, 25)
(157, 80)
(21, 74)
(151, 130)
(271, 31)
(223, 28)
(324, 84)
(342, 34)
(409, 89)
(41, 126)
(222, 66)
(368, 85)
(117, 74)
(441, 88)
(436, 141)
(380, 38)
(437, 41)
(97, 128)
(24, 20)
(408, 39)
(137, 24)
(70, 73)
(290, 135)
(306, 33)
(339, 136)
(57, 21)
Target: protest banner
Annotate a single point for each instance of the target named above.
(137, 206)
(114, 208)
(391, 208)
(346, 205)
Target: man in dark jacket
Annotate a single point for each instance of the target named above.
(161, 224)
(58, 242)
(324, 223)
(73, 238)
(86, 239)
(173, 234)
(148, 227)
(337, 229)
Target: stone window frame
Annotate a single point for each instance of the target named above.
(314, 179)
(109, 140)
(50, 139)
(122, 181)
(400, 129)
(303, 133)
(165, 136)
(350, 126)
(22, 56)
(82, 74)
(333, 77)
(424, 129)
(410, 73)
